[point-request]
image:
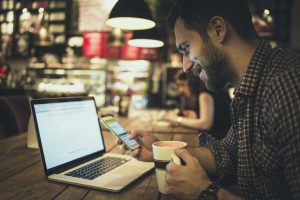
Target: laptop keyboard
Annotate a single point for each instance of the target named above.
(97, 168)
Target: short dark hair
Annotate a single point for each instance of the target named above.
(196, 15)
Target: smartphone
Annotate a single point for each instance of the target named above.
(111, 124)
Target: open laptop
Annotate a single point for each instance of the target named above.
(72, 147)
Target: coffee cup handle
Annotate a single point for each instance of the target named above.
(176, 160)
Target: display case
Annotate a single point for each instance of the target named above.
(129, 78)
(109, 81)
(48, 82)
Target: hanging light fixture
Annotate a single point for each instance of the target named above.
(131, 15)
(149, 38)
(116, 37)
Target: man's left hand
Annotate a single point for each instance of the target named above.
(188, 181)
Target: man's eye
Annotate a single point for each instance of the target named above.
(186, 50)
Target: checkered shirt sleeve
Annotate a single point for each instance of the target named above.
(282, 118)
(223, 152)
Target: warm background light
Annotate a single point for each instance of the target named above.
(130, 23)
(146, 43)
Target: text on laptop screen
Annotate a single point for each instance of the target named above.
(68, 130)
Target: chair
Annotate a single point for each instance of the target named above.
(14, 114)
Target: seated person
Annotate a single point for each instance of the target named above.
(201, 109)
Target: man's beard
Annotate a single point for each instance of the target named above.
(216, 62)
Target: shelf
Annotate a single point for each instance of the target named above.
(6, 10)
(67, 69)
(56, 22)
(5, 22)
(56, 13)
(32, 11)
(56, 10)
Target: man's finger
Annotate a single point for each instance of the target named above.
(119, 142)
(185, 155)
(135, 153)
(125, 147)
(171, 167)
(134, 134)
(121, 148)
(174, 191)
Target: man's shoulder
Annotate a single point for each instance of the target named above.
(281, 77)
(282, 64)
(283, 60)
(286, 82)
(280, 93)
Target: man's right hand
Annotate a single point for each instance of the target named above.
(145, 139)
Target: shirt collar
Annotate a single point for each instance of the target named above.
(250, 80)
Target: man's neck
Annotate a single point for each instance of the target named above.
(240, 54)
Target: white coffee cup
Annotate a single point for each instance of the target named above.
(163, 153)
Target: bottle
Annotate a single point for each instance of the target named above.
(124, 104)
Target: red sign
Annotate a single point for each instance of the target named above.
(149, 53)
(94, 44)
(130, 52)
(3, 70)
(113, 52)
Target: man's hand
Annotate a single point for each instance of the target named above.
(188, 181)
(145, 139)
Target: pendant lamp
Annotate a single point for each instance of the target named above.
(130, 15)
(116, 37)
(149, 38)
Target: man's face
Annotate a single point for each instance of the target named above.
(201, 56)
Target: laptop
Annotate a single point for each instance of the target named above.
(72, 148)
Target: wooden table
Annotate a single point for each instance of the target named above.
(22, 176)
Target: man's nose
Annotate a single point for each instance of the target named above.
(187, 64)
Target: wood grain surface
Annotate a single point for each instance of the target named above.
(22, 175)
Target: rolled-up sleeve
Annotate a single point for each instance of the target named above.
(224, 152)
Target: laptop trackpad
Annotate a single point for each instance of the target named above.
(123, 176)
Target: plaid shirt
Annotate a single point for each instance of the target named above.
(262, 148)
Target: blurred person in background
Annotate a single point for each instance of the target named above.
(199, 108)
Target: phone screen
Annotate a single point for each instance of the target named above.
(121, 132)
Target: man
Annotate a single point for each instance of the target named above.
(261, 151)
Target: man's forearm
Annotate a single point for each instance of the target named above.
(206, 159)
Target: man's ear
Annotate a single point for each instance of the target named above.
(218, 28)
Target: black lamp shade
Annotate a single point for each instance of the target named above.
(131, 15)
(146, 34)
(131, 8)
(149, 38)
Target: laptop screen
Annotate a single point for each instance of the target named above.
(68, 130)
